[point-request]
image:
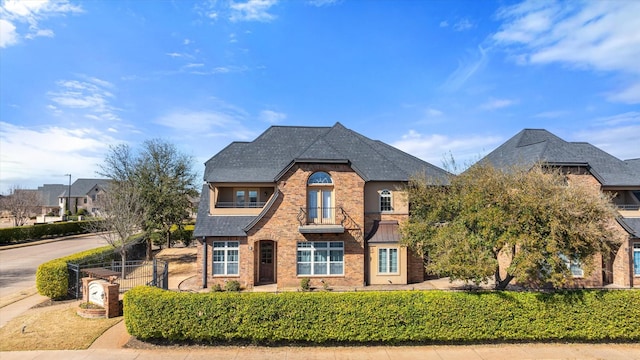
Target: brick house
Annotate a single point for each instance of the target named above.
(585, 163)
(322, 203)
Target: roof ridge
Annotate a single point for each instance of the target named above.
(389, 161)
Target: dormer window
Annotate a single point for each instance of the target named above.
(320, 208)
(385, 201)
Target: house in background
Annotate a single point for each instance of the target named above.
(49, 194)
(584, 163)
(84, 195)
(323, 203)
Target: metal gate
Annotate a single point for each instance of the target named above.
(136, 273)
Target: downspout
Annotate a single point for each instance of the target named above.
(204, 263)
(631, 263)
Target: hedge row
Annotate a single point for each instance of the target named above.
(40, 231)
(383, 317)
(52, 277)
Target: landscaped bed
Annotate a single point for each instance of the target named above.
(395, 317)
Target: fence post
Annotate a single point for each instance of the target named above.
(165, 276)
(155, 272)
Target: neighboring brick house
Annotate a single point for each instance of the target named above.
(84, 195)
(317, 202)
(585, 163)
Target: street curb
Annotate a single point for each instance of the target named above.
(46, 241)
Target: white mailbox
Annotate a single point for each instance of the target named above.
(96, 292)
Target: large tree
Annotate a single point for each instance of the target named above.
(21, 204)
(164, 178)
(532, 217)
(121, 207)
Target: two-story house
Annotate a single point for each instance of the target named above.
(85, 194)
(584, 163)
(307, 202)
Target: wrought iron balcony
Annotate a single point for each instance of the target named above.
(317, 220)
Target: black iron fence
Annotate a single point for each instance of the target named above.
(128, 275)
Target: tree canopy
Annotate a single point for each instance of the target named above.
(163, 178)
(21, 204)
(531, 216)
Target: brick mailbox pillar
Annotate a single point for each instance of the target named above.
(85, 288)
(112, 299)
(106, 294)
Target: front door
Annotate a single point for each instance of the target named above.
(267, 263)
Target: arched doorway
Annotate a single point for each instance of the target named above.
(267, 262)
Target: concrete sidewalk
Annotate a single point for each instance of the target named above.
(474, 352)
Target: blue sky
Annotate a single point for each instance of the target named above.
(429, 77)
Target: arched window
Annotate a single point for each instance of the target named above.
(320, 208)
(385, 201)
(320, 178)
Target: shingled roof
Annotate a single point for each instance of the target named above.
(539, 145)
(207, 225)
(265, 158)
(81, 187)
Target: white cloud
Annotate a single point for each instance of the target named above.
(495, 104)
(435, 148)
(28, 15)
(89, 96)
(444, 23)
(591, 35)
(8, 34)
(629, 95)
(32, 157)
(463, 24)
(252, 10)
(632, 117)
(433, 112)
(272, 117)
(466, 69)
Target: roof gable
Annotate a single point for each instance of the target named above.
(263, 159)
(533, 145)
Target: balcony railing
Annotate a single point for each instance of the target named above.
(628, 207)
(321, 216)
(234, 205)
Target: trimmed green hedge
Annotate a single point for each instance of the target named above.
(383, 317)
(52, 277)
(40, 231)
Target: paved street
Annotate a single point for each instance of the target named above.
(18, 265)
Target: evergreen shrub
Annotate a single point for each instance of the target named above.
(383, 317)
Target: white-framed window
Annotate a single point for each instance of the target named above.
(388, 260)
(320, 258)
(636, 259)
(320, 208)
(246, 198)
(574, 266)
(385, 201)
(226, 256)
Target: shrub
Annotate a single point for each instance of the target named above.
(383, 317)
(232, 285)
(305, 284)
(41, 231)
(52, 277)
(216, 288)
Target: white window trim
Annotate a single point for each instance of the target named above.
(636, 249)
(226, 261)
(382, 196)
(568, 262)
(312, 261)
(387, 261)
